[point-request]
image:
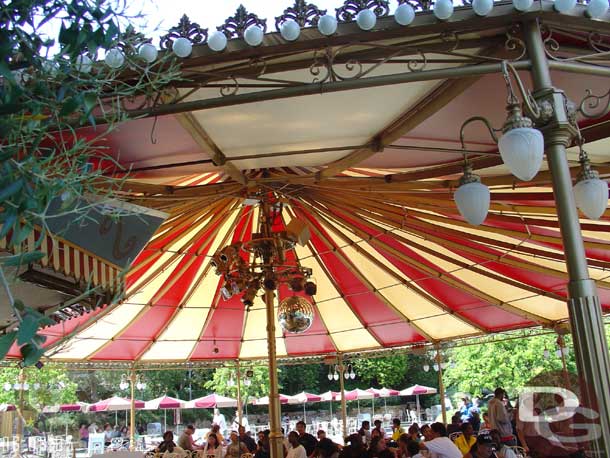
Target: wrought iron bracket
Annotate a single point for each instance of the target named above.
(184, 29)
(236, 25)
(351, 8)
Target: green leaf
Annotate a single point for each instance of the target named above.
(31, 354)
(69, 106)
(11, 189)
(6, 342)
(7, 225)
(27, 328)
(19, 305)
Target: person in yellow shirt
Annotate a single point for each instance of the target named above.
(467, 439)
(396, 429)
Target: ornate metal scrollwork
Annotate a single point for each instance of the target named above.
(305, 14)
(236, 25)
(593, 106)
(513, 42)
(597, 43)
(418, 5)
(351, 8)
(184, 29)
(326, 60)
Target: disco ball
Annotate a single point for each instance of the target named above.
(295, 314)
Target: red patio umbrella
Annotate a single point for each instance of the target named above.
(303, 398)
(358, 394)
(77, 407)
(284, 399)
(115, 403)
(211, 401)
(165, 402)
(383, 393)
(7, 407)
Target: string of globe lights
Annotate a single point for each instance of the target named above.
(124, 383)
(251, 29)
(260, 264)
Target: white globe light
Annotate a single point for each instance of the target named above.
(472, 200)
(404, 14)
(366, 19)
(327, 25)
(522, 150)
(83, 64)
(443, 9)
(482, 7)
(426, 367)
(597, 9)
(114, 58)
(591, 197)
(563, 6)
(290, 30)
(254, 35)
(336, 376)
(148, 52)
(182, 47)
(523, 5)
(7, 386)
(123, 385)
(217, 41)
(330, 376)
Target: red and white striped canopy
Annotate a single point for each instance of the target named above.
(384, 392)
(164, 402)
(416, 390)
(371, 169)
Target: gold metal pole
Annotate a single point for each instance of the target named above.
(238, 373)
(275, 437)
(19, 433)
(343, 403)
(132, 411)
(441, 386)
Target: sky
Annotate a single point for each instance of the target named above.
(164, 14)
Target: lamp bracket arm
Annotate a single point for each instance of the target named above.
(528, 99)
(492, 131)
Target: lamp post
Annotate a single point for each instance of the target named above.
(342, 386)
(590, 346)
(22, 386)
(134, 382)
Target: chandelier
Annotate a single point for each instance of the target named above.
(259, 264)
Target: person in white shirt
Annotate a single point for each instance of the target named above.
(440, 445)
(219, 419)
(296, 450)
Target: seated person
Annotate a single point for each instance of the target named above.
(185, 441)
(216, 430)
(212, 448)
(168, 444)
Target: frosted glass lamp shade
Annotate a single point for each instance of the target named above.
(148, 52)
(217, 41)
(84, 64)
(482, 7)
(591, 197)
(563, 6)
(254, 35)
(443, 9)
(182, 47)
(522, 150)
(404, 14)
(327, 25)
(522, 5)
(366, 19)
(472, 200)
(290, 30)
(597, 9)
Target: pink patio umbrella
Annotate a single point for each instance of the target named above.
(284, 399)
(416, 390)
(77, 407)
(383, 393)
(164, 402)
(114, 404)
(304, 398)
(7, 407)
(358, 394)
(211, 401)
(330, 396)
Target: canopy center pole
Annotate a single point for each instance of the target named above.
(343, 403)
(132, 411)
(590, 345)
(275, 437)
